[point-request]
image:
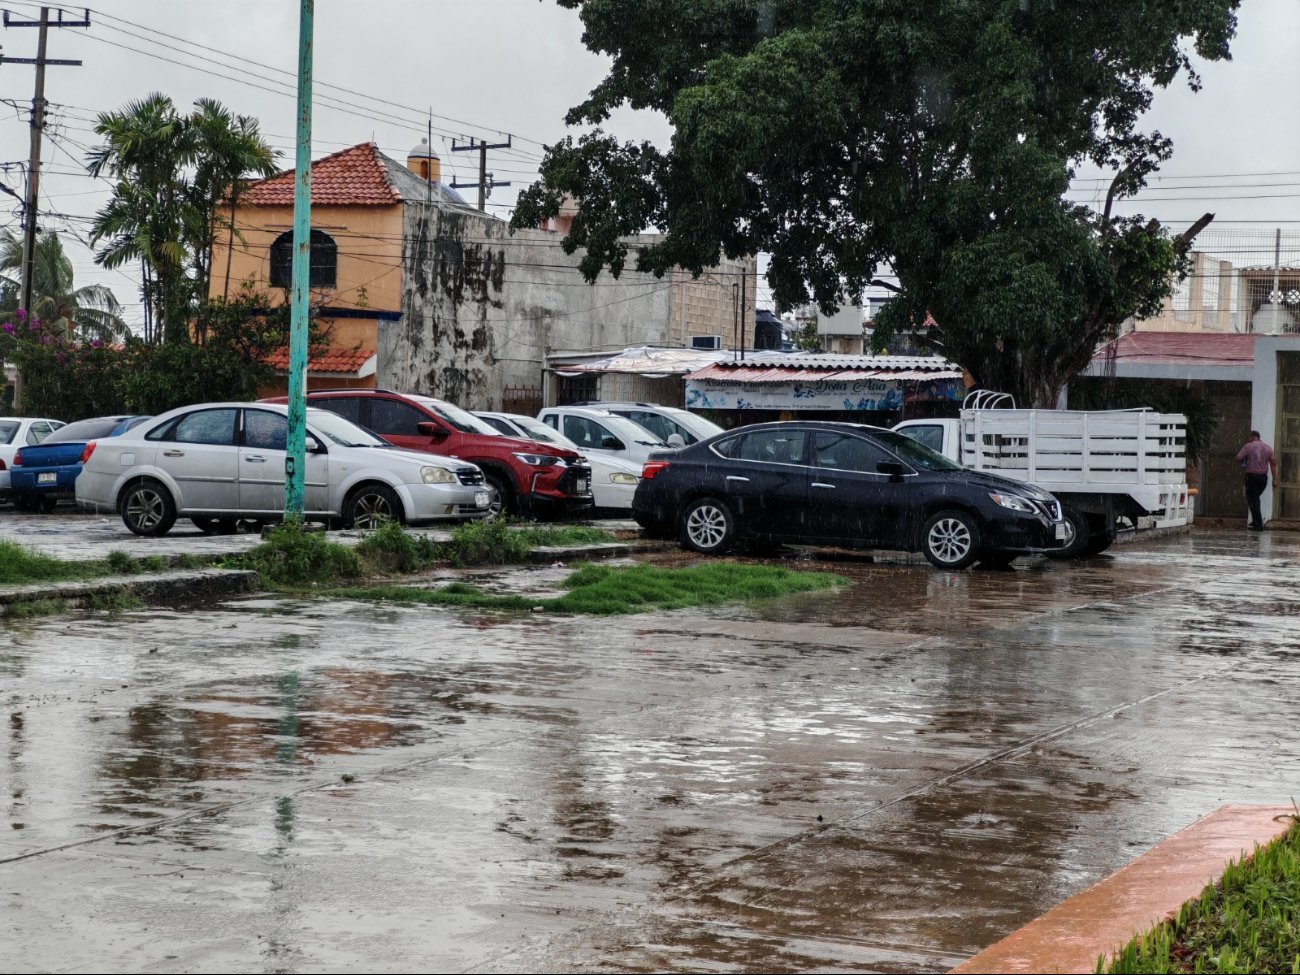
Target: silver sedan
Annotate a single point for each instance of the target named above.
(218, 462)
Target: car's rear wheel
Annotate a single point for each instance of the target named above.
(708, 526)
(148, 509)
(951, 540)
(217, 526)
(371, 505)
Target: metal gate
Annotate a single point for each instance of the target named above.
(1286, 497)
(526, 400)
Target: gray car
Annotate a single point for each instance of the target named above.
(218, 462)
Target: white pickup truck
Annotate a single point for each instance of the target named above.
(1108, 468)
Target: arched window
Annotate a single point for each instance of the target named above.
(324, 261)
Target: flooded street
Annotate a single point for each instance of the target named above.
(887, 778)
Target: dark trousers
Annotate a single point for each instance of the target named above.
(1255, 485)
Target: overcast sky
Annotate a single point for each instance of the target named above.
(489, 67)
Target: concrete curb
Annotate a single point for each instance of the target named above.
(153, 587)
(1102, 919)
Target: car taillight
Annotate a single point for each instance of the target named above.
(653, 467)
(2, 464)
(18, 459)
(90, 449)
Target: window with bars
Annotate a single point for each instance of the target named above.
(324, 261)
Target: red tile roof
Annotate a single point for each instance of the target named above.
(1187, 348)
(352, 177)
(331, 360)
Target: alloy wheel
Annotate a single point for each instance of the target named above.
(707, 526)
(371, 511)
(146, 508)
(949, 540)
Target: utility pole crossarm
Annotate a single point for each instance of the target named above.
(485, 182)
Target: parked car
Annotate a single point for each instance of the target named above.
(665, 422)
(841, 484)
(613, 480)
(15, 432)
(524, 475)
(598, 431)
(45, 472)
(218, 462)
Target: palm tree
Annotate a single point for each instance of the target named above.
(88, 313)
(171, 173)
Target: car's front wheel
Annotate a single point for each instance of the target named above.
(371, 505)
(148, 509)
(708, 526)
(951, 540)
(503, 501)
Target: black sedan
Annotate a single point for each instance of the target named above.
(841, 484)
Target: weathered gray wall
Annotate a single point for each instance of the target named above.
(481, 308)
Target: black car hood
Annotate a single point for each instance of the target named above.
(994, 482)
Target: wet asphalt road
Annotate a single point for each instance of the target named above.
(887, 779)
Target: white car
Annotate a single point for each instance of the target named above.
(665, 422)
(17, 432)
(595, 431)
(219, 462)
(613, 480)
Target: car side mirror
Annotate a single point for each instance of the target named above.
(676, 440)
(313, 446)
(431, 430)
(893, 468)
(610, 443)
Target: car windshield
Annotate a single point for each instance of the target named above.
(84, 430)
(7, 430)
(343, 432)
(916, 454)
(539, 431)
(627, 430)
(698, 425)
(454, 416)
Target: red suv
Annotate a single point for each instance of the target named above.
(527, 476)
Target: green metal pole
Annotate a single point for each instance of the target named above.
(295, 459)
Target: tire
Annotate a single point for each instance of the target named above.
(46, 504)
(370, 505)
(1078, 535)
(951, 540)
(26, 502)
(707, 526)
(217, 526)
(504, 501)
(147, 509)
(1098, 543)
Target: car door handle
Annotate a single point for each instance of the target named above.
(255, 460)
(173, 453)
(736, 477)
(821, 485)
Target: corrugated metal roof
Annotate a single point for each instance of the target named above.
(833, 362)
(1189, 348)
(742, 373)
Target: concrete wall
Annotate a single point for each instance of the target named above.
(482, 307)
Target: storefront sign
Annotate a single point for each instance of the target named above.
(856, 394)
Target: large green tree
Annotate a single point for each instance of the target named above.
(90, 312)
(173, 175)
(935, 139)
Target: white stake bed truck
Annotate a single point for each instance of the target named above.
(1108, 468)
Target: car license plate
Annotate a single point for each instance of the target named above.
(1060, 532)
(47, 477)
(583, 486)
(481, 499)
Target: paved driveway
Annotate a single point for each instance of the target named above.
(889, 779)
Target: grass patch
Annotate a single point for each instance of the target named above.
(19, 565)
(391, 549)
(116, 601)
(485, 543)
(1247, 922)
(547, 536)
(601, 590)
(30, 608)
(293, 557)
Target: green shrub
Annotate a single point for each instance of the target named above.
(547, 536)
(291, 556)
(390, 548)
(122, 563)
(485, 543)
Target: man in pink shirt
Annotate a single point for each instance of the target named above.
(1257, 459)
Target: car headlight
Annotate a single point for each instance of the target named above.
(1014, 502)
(621, 478)
(539, 460)
(437, 475)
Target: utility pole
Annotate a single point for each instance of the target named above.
(295, 457)
(485, 182)
(32, 204)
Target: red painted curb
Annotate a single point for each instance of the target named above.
(1071, 936)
